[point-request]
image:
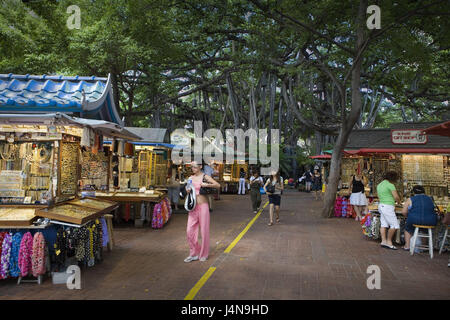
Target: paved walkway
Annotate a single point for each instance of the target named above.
(303, 257)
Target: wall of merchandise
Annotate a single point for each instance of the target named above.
(94, 169)
(26, 172)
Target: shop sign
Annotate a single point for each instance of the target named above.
(410, 136)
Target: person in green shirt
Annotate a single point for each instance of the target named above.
(388, 196)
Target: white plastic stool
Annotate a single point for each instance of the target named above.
(417, 234)
(446, 235)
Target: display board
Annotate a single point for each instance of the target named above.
(69, 168)
(17, 216)
(152, 169)
(70, 213)
(430, 171)
(94, 169)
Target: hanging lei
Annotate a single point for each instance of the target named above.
(6, 251)
(2, 235)
(14, 270)
(60, 247)
(26, 248)
(91, 241)
(81, 237)
(38, 255)
(97, 240)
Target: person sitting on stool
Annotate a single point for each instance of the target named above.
(419, 209)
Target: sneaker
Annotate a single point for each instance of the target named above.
(203, 259)
(190, 259)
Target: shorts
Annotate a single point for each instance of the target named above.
(275, 199)
(388, 218)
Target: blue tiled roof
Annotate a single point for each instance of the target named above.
(29, 93)
(36, 92)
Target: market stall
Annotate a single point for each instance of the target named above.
(40, 179)
(139, 171)
(418, 158)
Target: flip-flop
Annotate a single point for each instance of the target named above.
(388, 247)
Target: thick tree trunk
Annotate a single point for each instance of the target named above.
(351, 119)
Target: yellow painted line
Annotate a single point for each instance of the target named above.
(199, 284)
(239, 237)
(191, 295)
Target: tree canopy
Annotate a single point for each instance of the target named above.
(309, 68)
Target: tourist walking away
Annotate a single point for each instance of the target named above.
(209, 171)
(173, 187)
(199, 216)
(358, 198)
(273, 188)
(317, 184)
(308, 180)
(419, 209)
(256, 182)
(242, 176)
(388, 196)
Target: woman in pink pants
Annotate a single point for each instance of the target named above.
(199, 217)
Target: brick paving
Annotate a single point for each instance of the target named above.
(303, 257)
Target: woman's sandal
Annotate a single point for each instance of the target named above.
(278, 220)
(270, 224)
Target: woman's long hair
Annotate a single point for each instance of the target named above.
(277, 175)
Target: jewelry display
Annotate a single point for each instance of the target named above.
(69, 164)
(94, 168)
(91, 203)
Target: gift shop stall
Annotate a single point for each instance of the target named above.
(139, 171)
(51, 133)
(45, 223)
(418, 158)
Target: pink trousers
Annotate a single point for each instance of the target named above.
(199, 217)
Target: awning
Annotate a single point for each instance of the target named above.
(442, 129)
(105, 128)
(152, 144)
(401, 150)
(321, 156)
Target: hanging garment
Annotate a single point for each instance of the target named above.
(105, 235)
(85, 138)
(127, 212)
(38, 255)
(96, 144)
(25, 251)
(100, 145)
(121, 148)
(128, 149)
(6, 252)
(14, 270)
